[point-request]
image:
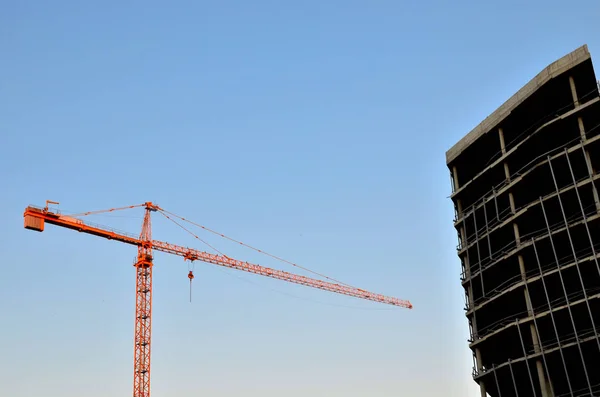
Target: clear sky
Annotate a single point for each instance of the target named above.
(315, 130)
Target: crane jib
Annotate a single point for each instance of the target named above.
(36, 217)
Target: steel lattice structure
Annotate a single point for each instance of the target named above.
(35, 219)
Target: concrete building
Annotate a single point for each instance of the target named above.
(527, 212)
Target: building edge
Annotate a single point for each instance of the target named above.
(551, 71)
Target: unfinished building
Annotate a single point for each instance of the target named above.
(525, 193)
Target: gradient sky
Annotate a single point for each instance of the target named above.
(315, 130)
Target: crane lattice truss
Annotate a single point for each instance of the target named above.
(36, 217)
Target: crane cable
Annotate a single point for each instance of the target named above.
(191, 274)
(192, 233)
(165, 212)
(249, 246)
(108, 210)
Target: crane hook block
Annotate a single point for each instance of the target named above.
(191, 277)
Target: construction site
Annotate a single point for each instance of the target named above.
(525, 195)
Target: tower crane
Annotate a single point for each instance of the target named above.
(35, 219)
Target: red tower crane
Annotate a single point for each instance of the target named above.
(36, 217)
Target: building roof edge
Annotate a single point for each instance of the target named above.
(556, 68)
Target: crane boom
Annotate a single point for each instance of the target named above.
(32, 213)
(221, 260)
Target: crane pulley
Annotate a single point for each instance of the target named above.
(35, 219)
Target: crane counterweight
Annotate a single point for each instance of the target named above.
(34, 223)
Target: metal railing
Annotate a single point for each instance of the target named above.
(548, 306)
(569, 339)
(581, 255)
(58, 212)
(507, 214)
(535, 235)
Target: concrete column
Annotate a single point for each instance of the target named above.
(550, 388)
(478, 359)
(533, 331)
(503, 148)
(471, 331)
(521, 265)
(573, 91)
(480, 368)
(534, 335)
(471, 303)
(588, 161)
(468, 267)
(511, 198)
(455, 176)
(581, 129)
(517, 235)
(538, 363)
(456, 186)
(525, 290)
(542, 378)
(596, 198)
(502, 144)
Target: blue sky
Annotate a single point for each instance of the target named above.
(314, 130)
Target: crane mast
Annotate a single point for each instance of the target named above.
(143, 309)
(35, 219)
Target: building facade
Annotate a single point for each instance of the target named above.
(527, 213)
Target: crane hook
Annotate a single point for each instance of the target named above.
(191, 277)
